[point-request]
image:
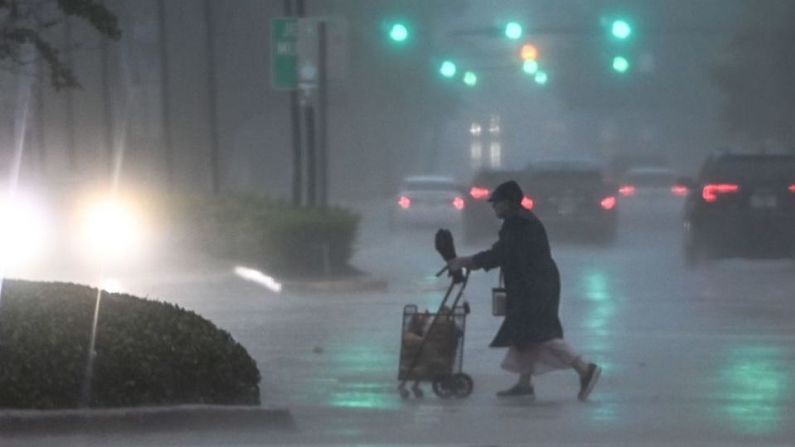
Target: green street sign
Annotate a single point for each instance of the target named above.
(284, 36)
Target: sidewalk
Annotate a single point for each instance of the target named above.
(148, 419)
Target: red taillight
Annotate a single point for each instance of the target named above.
(679, 190)
(608, 203)
(791, 188)
(478, 193)
(710, 192)
(404, 202)
(527, 202)
(626, 190)
(458, 203)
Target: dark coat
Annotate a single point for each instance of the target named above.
(532, 282)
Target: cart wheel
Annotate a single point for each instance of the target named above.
(404, 393)
(463, 385)
(417, 392)
(444, 386)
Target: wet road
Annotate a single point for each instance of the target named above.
(690, 357)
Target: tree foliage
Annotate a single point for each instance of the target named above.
(756, 75)
(24, 26)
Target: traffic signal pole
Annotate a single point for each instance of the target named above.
(322, 105)
(295, 123)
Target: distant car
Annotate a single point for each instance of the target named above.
(573, 199)
(479, 218)
(653, 191)
(651, 182)
(427, 201)
(741, 205)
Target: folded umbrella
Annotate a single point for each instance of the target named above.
(446, 248)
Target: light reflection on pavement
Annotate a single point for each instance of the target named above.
(756, 388)
(700, 357)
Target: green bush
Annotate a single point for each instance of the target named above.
(147, 352)
(281, 238)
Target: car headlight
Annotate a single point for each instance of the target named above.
(24, 230)
(111, 229)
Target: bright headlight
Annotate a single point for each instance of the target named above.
(111, 229)
(23, 231)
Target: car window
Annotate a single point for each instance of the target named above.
(494, 178)
(651, 179)
(745, 168)
(566, 179)
(431, 185)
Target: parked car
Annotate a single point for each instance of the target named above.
(741, 205)
(427, 201)
(479, 219)
(573, 199)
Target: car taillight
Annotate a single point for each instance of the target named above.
(679, 190)
(478, 193)
(710, 192)
(404, 202)
(608, 203)
(458, 203)
(791, 188)
(626, 190)
(527, 202)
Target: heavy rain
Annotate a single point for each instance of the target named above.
(220, 222)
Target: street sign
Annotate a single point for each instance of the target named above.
(284, 54)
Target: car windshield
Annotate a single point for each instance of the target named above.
(650, 179)
(580, 179)
(431, 185)
(750, 168)
(494, 178)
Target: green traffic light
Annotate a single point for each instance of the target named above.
(620, 64)
(513, 30)
(448, 69)
(621, 29)
(530, 66)
(541, 78)
(470, 79)
(398, 32)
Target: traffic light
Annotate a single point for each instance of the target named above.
(530, 66)
(541, 77)
(620, 64)
(448, 69)
(398, 32)
(620, 29)
(470, 79)
(513, 30)
(528, 52)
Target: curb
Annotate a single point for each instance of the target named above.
(346, 285)
(146, 419)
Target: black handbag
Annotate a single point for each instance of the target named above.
(499, 299)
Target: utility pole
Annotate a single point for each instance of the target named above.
(322, 105)
(165, 95)
(108, 130)
(295, 123)
(215, 169)
(70, 107)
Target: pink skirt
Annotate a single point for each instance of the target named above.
(539, 358)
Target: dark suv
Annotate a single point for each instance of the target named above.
(479, 220)
(741, 205)
(573, 199)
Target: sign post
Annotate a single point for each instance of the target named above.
(284, 54)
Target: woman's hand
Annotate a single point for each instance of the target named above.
(460, 262)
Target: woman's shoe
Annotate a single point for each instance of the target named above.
(589, 381)
(517, 391)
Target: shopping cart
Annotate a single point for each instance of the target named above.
(432, 346)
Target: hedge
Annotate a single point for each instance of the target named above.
(279, 237)
(147, 352)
